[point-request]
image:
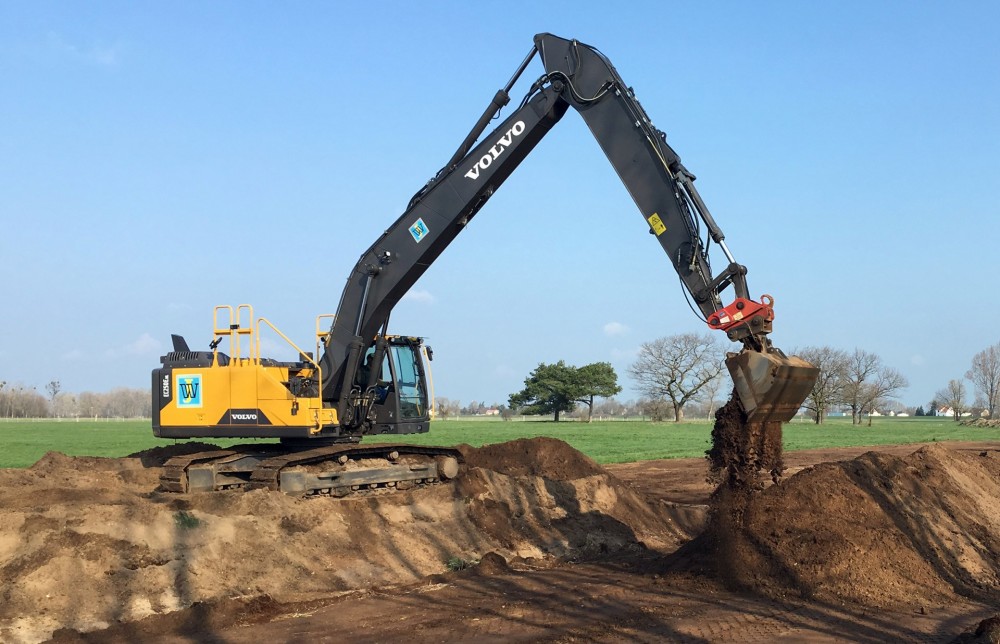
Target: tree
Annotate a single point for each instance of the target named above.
(20, 401)
(549, 389)
(677, 368)
(53, 388)
(597, 379)
(829, 388)
(876, 393)
(860, 370)
(920, 411)
(985, 376)
(656, 408)
(954, 396)
(446, 408)
(711, 391)
(610, 407)
(868, 383)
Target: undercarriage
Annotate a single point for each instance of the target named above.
(336, 470)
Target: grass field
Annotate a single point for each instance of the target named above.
(24, 442)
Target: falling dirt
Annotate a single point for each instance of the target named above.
(740, 454)
(742, 451)
(88, 543)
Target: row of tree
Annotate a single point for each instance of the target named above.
(984, 374)
(678, 371)
(671, 373)
(858, 381)
(19, 401)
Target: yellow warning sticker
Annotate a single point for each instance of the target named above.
(656, 224)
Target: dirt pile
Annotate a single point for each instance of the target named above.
(86, 542)
(878, 530)
(981, 422)
(987, 631)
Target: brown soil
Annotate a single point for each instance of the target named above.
(893, 545)
(741, 451)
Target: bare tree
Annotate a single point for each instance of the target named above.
(985, 376)
(656, 408)
(712, 389)
(446, 408)
(886, 383)
(677, 368)
(53, 388)
(19, 401)
(860, 370)
(64, 406)
(610, 407)
(954, 395)
(830, 385)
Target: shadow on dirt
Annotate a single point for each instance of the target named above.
(587, 561)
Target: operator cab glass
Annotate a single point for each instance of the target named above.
(409, 381)
(401, 389)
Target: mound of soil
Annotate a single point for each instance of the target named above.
(878, 530)
(987, 631)
(981, 422)
(88, 542)
(157, 456)
(549, 457)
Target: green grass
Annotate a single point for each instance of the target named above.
(24, 442)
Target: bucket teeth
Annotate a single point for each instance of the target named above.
(771, 386)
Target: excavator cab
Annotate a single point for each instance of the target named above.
(402, 390)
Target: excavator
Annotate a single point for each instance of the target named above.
(367, 381)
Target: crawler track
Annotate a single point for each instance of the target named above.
(337, 470)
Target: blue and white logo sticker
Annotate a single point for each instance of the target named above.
(419, 230)
(189, 390)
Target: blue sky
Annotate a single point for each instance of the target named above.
(159, 159)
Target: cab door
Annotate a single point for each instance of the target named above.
(401, 405)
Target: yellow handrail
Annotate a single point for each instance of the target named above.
(227, 330)
(245, 330)
(302, 354)
(321, 335)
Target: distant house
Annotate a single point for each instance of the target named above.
(950, 413)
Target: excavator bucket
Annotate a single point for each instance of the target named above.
(771, 386)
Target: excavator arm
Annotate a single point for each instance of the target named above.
(368, 381)
(771, 386)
